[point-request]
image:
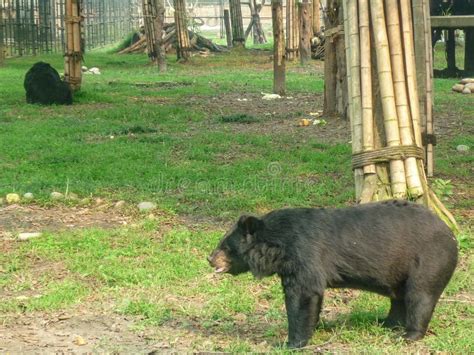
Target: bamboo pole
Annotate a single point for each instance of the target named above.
(409, 52)
(292, 30)
(419, 57)
(415, 188)
(77, 58)
(2, 48)
(370, 177)
(278, 48)
(384, 69)
(353, 67)
(429, 90)
(69, 42)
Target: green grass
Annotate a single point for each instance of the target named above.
(163, 278)
(135, 134)
(115, 141)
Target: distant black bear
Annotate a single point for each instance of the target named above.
(44, 86)
(395, 248)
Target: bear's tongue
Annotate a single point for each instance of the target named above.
(219, 270)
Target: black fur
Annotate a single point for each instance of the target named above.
(395, 248)
(44, 86)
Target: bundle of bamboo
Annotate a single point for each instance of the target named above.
(384, 104)
(183, 49)
(154, 17)
(170, 40)
(292, 30)
(74, 52)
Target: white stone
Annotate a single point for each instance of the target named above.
(94, 70)
(27, 236)
(72, 196)
(271, 97)
(146, 206)
(56, 195)
(119, 204)
(462, 148)
(466, 90)
(467, 80)
(28, 196)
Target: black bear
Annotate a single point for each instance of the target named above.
(395, 248)
(43, 85)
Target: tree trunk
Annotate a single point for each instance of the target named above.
(238, 36)
(335, 78)
(74, 52)
(160, 45)
(306, 31)
(278, 48)
(384, 105)
(154, 15)
(469, 51)
(316, 17)
(183, 50)
(292, 30)
(228, 30)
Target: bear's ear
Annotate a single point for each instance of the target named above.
(249, 224)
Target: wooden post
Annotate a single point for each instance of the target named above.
(278, 48)
(316, 17)
(451, 51)
(238, 36)
(255, 24)
(335, 77)
(292, 30)
(154, 16)
(228, 30)
(73, 55)
(183, 50)
(469, 51)
(306, 31)
(2, 49)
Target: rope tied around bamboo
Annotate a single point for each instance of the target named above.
(78, 56)
(74, 19)
(385, 155)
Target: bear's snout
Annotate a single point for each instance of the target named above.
(219, 261)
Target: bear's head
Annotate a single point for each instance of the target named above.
(231, 255)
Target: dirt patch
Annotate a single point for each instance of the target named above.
(273, 116)
(31, 218)
(72, 333)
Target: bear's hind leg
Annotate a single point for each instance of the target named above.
(397, 315)
(419, 307)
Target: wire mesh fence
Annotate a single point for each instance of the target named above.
(29, 27)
